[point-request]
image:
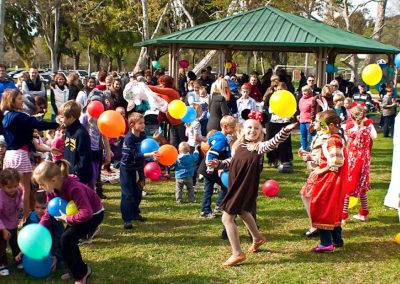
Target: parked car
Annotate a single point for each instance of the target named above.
(82, 73)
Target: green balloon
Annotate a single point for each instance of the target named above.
(34, 240)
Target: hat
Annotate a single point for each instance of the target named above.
(2, 140)
(362, 85)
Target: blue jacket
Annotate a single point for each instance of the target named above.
(7, 84)
(186, 165)
(18, 129)
(132, 158)
(220, 148)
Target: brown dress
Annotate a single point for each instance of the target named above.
(244, 174)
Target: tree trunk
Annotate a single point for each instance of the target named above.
(118, 58)
(76, 56)
(248, 59)
(2, 24)
(97, 59)
(186, 12)
(204, 62)
(110, 64)
(141, 63)
(89, 55)
(56, 35)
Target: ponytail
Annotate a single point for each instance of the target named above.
(47, 170)
(64, 166)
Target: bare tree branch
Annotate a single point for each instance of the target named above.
(160, 20)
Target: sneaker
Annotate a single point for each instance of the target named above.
(139, 218)
(311, 233)
(361, 218)
(19, 265)
(218, 209)
(144, 192)
(207, 215)
(338, 245)
(128, 226)
(201, 178)
(4, 270)
(320, 248)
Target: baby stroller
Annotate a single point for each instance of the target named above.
(151, 122)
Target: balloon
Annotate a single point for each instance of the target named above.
(330, 68)
(95, 108)
(38, 268)
(270, 188)
(71, 208)
(225, 178)
(372, 74)
(167, 155)
(148, 145)
(397, 60)
(156, 64)
(111, 124)
(397, 238)
(335, 69)
(208, 115)
(389, 71)
(204, 147)
(228, 65)
(177, 109)
(183, 63)
(55, 205)
(152, 171)
(34, 240)
(190, 115)
(353, 201)
(283, 103)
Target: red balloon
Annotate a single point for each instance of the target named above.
(152, 171)
(270, 188)
(95, 108)
(183, 63)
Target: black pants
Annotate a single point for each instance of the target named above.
(69, 244)
(3, 246)
(284, 151)
(177, 134)
(388, 125)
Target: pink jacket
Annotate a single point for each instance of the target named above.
(305, 106)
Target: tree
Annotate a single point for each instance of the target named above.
(2, 24)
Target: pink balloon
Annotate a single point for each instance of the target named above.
(183, 63)
(270, 188)
(152, 171)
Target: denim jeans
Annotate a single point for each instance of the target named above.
(209, 182)
(306, 137)
(327, 236)
(131, 193)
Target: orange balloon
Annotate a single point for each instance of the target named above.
(204, 147)
(111, 124)
(167, 155)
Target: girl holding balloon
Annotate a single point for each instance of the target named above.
(10, 206)
(56, 181)
(244, 175)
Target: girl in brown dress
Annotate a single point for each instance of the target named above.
(244, 176)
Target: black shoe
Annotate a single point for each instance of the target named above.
(224, 235)
(128, 226)
(338, 245)
(311, 234)
(139, 218)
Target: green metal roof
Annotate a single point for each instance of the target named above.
(268, 28)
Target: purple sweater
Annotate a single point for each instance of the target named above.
(9, 209)
(85, 198)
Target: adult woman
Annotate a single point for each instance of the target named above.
(59, 94)
(218, 106)
(88, 91)
(117, 94)
(182, 82)
(73, 86)
(326, 94)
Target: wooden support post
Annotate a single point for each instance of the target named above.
(321, 57)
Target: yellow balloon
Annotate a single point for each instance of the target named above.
(372, 74)
(177, 109)
(352, 202)
(283, 103)
(228, 65)
(397, 238)
(71, 208)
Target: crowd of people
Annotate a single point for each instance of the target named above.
(233, 129)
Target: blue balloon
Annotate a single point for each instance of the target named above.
(335, 69)
(148, 145)
(38, 268)
(225, 178)
(55, 205)
(34, 240)
(190, 115)
(397, 60)
(330, 68)
(208, 115)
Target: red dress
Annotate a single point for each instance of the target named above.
(327, 198)
(359, 149)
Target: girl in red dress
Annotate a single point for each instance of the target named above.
(330, 185)
(359, 146)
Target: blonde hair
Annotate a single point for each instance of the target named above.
(47, 170)
(134, 118)
(184, 147)
(348, 100)
(222, 87)
(227, 120)
(241, 139)
(357, 114)
(8, 99)
(306, 89)
(338, 97)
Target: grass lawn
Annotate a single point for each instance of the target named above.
(176, 246)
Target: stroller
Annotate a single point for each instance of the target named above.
(151, 122)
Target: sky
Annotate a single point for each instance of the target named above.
(392, 8)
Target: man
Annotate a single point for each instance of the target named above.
(5, 83)
(34, 86)
(205, 80)
(364, 97)
(312, 85)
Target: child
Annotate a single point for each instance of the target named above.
(338, 100)
(185, 170)
(244, 177)
(359, 148)
(132, 170)
(58, 143)
(161, 140)
(10, 206)
(348, 104)
(245, 102)
(204, 100)
(330, 185)
(18, 132)
(56, 228)
(56, 181)
(219, 149)
(77, 149)
(3, 148)
(388, 112)
(305, 106)
(193, 130)
(313, 159)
